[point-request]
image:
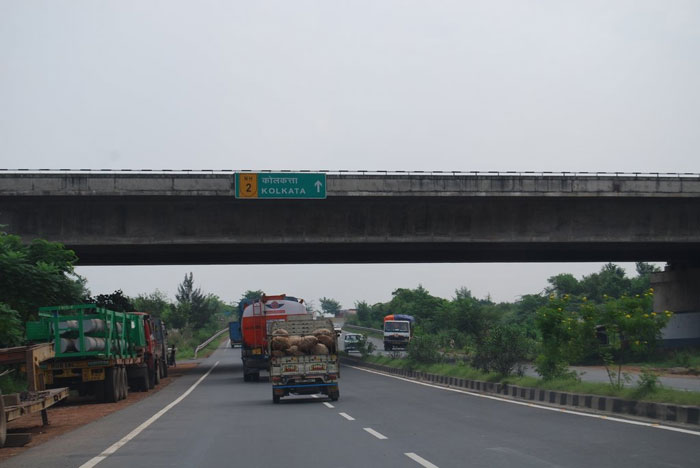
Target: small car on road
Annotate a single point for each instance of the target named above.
(352, 341)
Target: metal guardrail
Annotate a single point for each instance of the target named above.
(362, 172)
(364, 328)
(204, 345)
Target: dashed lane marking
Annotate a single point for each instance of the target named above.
(548, 408)
(117, 445)
(328, 404)
(420, 460)
(347, 416)
(375, 433)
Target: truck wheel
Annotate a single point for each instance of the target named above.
(151, 377)
(164, 366)
(156, 373)
(334, 394)
(3, 422)
(125, 384)
(143, 379)
(255, 377)
(120, 383)
(275, 398)
(110, 386)
(100, 390)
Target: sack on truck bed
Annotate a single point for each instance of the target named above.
(326, 340)
(319, 349)
(321, 331)
(307, 343)
(294, 340)
(280, 343)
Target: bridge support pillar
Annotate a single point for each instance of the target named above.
(678, 289)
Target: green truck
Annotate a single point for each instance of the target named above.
(99, 351)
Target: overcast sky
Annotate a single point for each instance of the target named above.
(375, 85)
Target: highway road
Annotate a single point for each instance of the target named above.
(379, 421)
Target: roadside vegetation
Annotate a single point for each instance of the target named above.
(465, 371)
(605, 318)
(42, 273)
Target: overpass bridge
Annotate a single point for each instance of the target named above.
(192, 217)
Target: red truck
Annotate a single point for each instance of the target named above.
(255, 318)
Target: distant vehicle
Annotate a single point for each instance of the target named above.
(234, 333)
(352, 341)
(398, 331)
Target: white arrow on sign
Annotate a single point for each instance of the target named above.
(318, 185)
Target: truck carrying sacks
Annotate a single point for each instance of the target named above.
(304, 358)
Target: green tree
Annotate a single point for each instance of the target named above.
(330, 306)
(155, 303)
(420, 304)
(610, 281)
(10, 327)
(252, 295)
(503, 349)
(115, 301)
(472, 316)
(642, 282)
(192, 305)
(363, 313)
(37, 274)
(626, 327)
(564, 283)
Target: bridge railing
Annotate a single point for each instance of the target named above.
(360, 172)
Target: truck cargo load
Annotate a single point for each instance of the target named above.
(304, 358)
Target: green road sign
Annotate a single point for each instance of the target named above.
(256, 185)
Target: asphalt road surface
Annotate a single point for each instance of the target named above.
(379, 421)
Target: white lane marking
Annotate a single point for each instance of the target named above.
(314, 396)
(328, 404)
(375, 433)
(117, 445)
(347, 416)
(228, 343)
(532, 405)
(420, 460)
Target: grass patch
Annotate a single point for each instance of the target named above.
(463, 371)
(688, 358)
(182, 354)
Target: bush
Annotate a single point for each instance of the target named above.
(648, 382)
(424, 349)
(502, 350)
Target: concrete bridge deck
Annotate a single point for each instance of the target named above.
(192, 217)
